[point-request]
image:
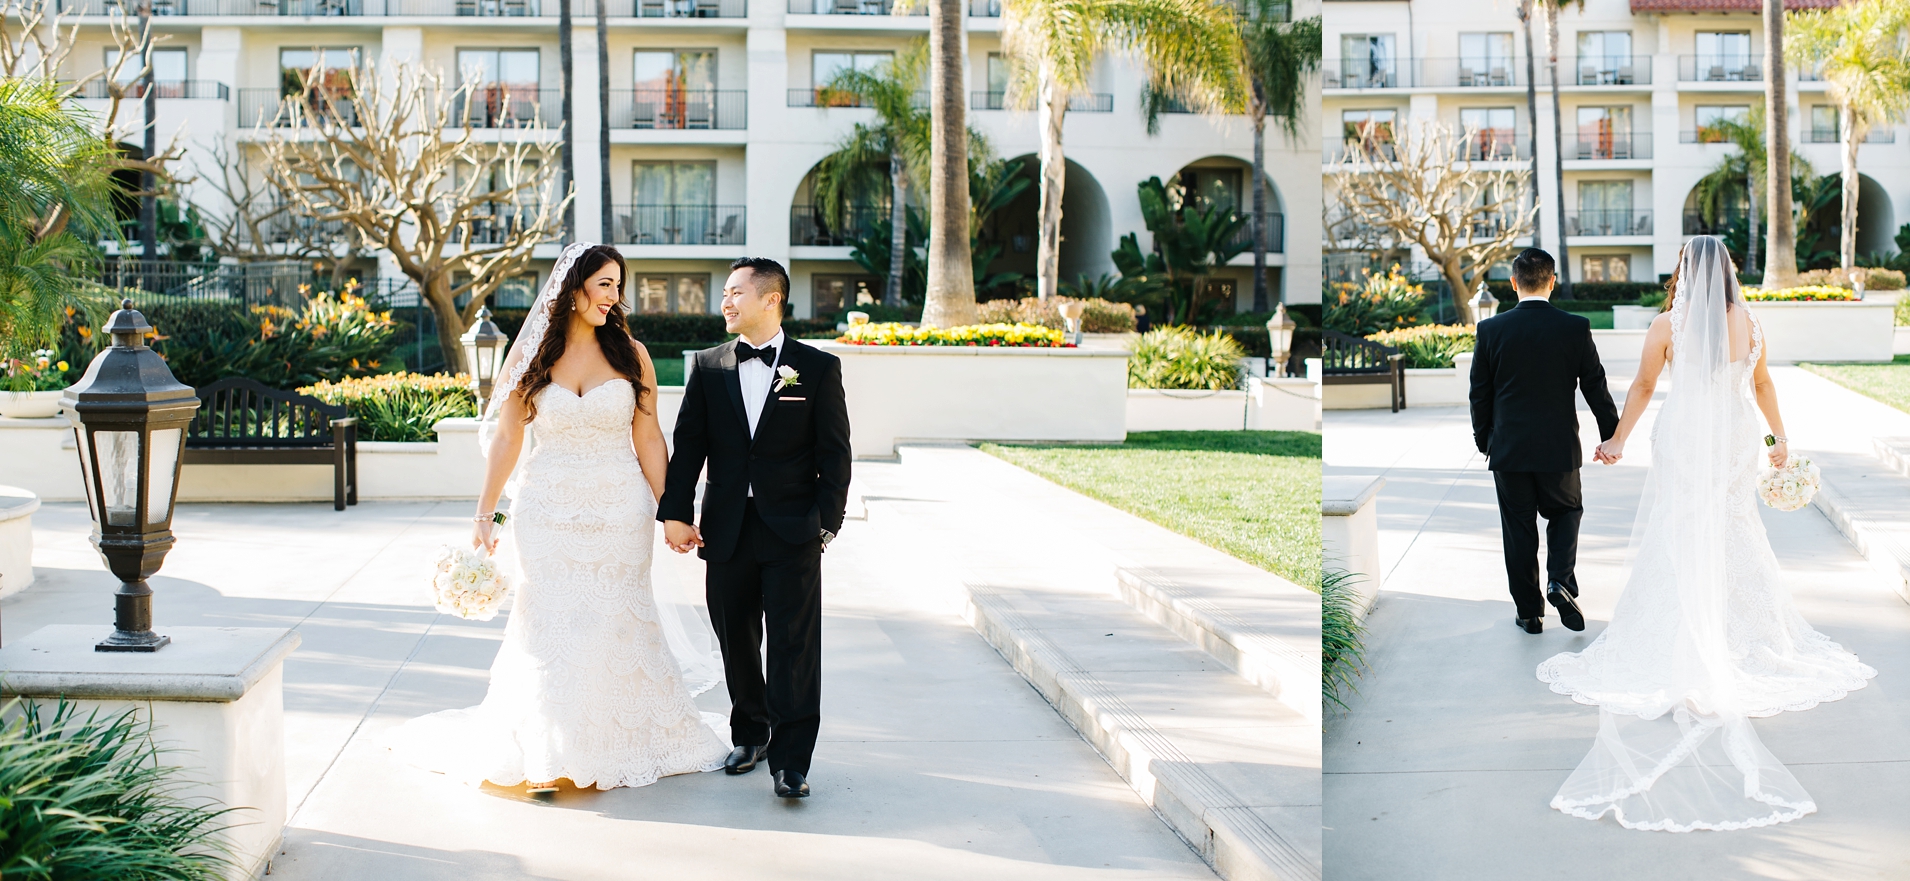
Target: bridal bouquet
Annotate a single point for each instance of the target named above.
(1790, 487)
(467, 584)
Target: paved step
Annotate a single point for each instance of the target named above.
(1869, 502)
(1895, 453)
(1221, 617)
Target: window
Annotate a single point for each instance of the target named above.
(169, 66)
(1725, 56)
(1708, 116)
(680, 292)
(689, 70)
(1485, 59)
(1366, 61)
(1368, 125)
(825, 65)
(830, 294)
(504, 86)
(515, 292)
(1205, 186)
(1824, 124)
(672, 203)
(330, 68)
(1604, 208)
(997, 73)
(1614, 267)
(1493, 132)
(1604, 133)
(1604, 58)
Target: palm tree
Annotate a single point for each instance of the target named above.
(568, 158)
(1745, 169)
(1278, 60)
(1867, 69)
(606, 209)
(1189, 49)
(56, 194)
(1780, 260)
(899, 138)
(1531, 107)
(1550, 9)
(950, 300)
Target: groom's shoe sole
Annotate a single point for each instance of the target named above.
(743, 759)
(1530, 625)
(1569, 613)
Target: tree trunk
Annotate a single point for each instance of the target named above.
(1456, 278)
(1558, 147)
(606, 205)
(950, 301)
(1847, 237)
(1750, 239)
(148, 182)
(1260, 298)
(568, 162)
(898, 229)
(1053, 107)
(1532, 111)
(437, 293)
(1780, 260)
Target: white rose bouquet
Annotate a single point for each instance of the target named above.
(467, 584)
(1792, 486)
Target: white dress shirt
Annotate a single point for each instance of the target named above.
(755, 377)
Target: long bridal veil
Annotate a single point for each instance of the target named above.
(1705, 636)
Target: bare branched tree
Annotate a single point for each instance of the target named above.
(1424, 187)
(388, 154)
(258, 223)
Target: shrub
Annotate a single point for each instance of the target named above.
(677, 327)
(1903, 311)
(88, 798)
(1874, 279)
(879, 313)
(399, 406)
(1654, 299)
(1341, 651)
(1810, 294)
(892, 334)
(38, 372)
(1607, 291)
(1097, 316)
(1431, 345)
(1181, 358)
(1382, 302)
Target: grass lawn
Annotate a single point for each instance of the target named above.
(1889, 383)
(669, 370)
(1252, 494)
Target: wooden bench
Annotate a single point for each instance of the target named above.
(243, 421)
(1348, 360)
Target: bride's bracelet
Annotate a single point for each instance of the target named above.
(496, 517)
(1772, 440)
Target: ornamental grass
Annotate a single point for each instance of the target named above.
(399, 406)
(1006, 335)
(1431, 345)
(1180, 358)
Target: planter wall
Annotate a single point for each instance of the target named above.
(1349, 531)
(1439, 386)
(1177, 410)
(1633, 317)
(16, 539)
(1901, 346)
(1614, 345)
(1863, 331)
(1284, 404)
(961, 393)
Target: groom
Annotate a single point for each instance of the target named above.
(766, 414)
(1525, 364)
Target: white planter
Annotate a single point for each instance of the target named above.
(1438, 386)
(1633, 317)
(974, 393)
(30, 405)
(1361, 396)
(1901, 340)
(1284, 404)
(1615, 345)
(1349, 531)
(1861, 331)
(1177, 410)
(16, 539)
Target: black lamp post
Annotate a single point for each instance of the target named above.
(130, 417)
(484, 349)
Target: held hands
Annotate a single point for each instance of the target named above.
(681, 537)
(1609, 452)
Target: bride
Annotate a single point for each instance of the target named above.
(587, 685)
(1705, 636)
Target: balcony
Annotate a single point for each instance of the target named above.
(679, 109)
(494, 225)
(428, 8)
(827, 97)
(1720, 68)
(1096, 102)
(850, 7)
(1609, 145)
(1703, 135)
(679, 224)
(133, 91)
(1832, 136)
(1469, 73)
(1495, 145)
(1276, 233)
(1600, 70)
(508, 107)
(984, 8)
(1610, 222)
(808, 225)
(671, 8)
(1344, 148)
(1361, 73)
(270, 107)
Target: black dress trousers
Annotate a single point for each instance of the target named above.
(1523, 497)
(771, 587)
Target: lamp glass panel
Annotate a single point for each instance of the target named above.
(85, 441)
(117, 456)
(165, 463)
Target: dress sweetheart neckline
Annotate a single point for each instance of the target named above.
(593, 389)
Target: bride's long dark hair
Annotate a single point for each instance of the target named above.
(613, 336)
(1732, 295)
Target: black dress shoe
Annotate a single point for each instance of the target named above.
(789, 784)
(1562, 599)
(743, 759)
(1531, 625)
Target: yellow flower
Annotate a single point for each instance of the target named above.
(62, 366)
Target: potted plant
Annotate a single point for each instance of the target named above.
(33, 385)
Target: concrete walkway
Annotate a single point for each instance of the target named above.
(1444, 764)
(936, 760)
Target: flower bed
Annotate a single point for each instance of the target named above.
(1097, 315)
(1010, 335)
(1806, 294)
(39, 372)
(1429, 346)
(399, 406)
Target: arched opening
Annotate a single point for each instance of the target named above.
(866, 200)
(1876, 218)
(1223, 181)
(1819, 203)
(1087, 238)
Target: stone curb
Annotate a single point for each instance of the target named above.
(1289, 674)
(1232, 838)
(1883, 551)
(1895, 453)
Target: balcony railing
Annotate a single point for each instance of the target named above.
(447, 8)
(1832, 136)
(271, 107)
(1469, 73)
(495, 225)
(679, 108)
(1695, 223)
(192, 89)
(670, 8)
(1608, 222)
(283, 224)
(1703, 135)
(1362, 73)
(1600, 70)
(808, 224)
(314, 8)
(1276, 232)
(849, 7)
(679, 224)
(1097, 102)
(1720, 68)
(824, 96)
(1342, 148)
(1496, 145)
(1609, 145)
(508, 107)
(984, 8)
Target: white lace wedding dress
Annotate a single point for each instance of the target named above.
(1705, 636)
(585, 686)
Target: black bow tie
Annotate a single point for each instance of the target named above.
(745, 352)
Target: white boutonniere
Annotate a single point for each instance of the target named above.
(786, 376)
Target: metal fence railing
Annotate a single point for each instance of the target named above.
(679, 224)
(503, 106)
(190, 89)
(1094, 102)
(809, 225)
(1608, 222)
(679, 108)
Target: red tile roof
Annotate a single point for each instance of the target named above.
(1722, 5)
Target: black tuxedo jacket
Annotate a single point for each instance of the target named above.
(798, 462)
(1524, 367)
